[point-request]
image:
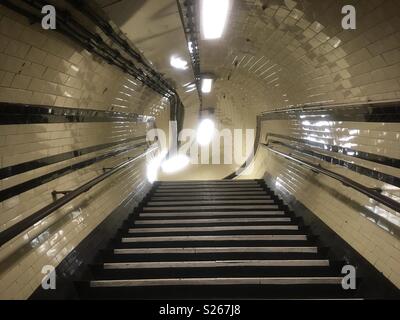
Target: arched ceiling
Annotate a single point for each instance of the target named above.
(277, 53)
(274, 53)
(155, 28)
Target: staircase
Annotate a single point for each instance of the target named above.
(213, 239)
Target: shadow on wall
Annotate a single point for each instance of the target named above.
(126, 9)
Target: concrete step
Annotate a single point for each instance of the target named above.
(212, 207)
(208, 221)
(199, 250)
(211, 229)
(209, 190)
(208, 202)
(211, 198)
(210, 194)
(212, 214)
(215, 264)
(290, 237)
(216, 281)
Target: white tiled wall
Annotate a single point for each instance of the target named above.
(328, 198)
(296, 54)
(285, 56)
(43, 67)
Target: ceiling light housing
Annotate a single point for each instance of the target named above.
(206, 84)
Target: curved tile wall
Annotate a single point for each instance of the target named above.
(45, 68)
(368, 226)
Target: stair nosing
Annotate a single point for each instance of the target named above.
(211, 220)
(217, 281)
(195, 250)
(212, 229)
(216, 264)
(216, 238)
(211, 207)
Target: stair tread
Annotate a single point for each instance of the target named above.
(213, 228)
(202, 220)
(212, 197)
(211, 202)
(214, 250)
(212, 207)
(218, 281)
(215, 263)
(211, 213)
(202, 271)
(213, 238)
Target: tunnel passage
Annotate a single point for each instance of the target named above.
(77, 104)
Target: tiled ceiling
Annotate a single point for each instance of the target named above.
(278, 53)
(284, 52)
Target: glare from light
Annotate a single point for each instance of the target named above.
(175, 163)
(153, 167)
(189, 86)
(205, 132)
(206, 85)
(178, 63)
(214, 14)
(190, 46)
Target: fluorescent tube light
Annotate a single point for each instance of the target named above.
(214, 14)
(206, 85)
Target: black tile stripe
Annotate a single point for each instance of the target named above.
(388, 112)
(33, 183)
(391, 162)
(377, 175)
(16, 113)
(39, 163)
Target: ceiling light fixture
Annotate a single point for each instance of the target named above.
(178, 63)
(214, 14)
(206, 85)
(205, 132)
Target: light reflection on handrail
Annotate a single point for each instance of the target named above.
(371, 193)
(36, 217)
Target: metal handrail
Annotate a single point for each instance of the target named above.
(370, 192)
(318, 106)
(34, 218)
